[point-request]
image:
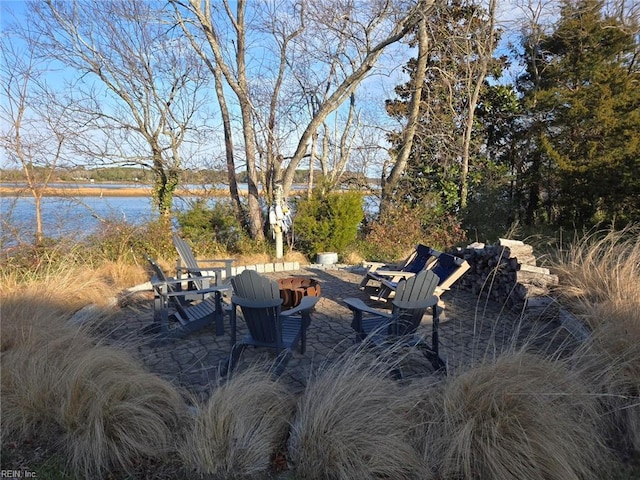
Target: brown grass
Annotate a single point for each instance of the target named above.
(239, 430)
(520, 417)
(95, 401)
(610, 364)
(349, 424)
(113, 413)
(601, 269)
(31, 388)
(600, 276)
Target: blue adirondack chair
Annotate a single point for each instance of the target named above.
(447, 267)
(189, 266)
(419, 259)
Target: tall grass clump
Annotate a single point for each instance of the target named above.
(113, 413)
(520, 417)
(600, 278)
(599, 269)
(350, 423)
(31, 381)
(240, 429)
(95, 404)
(610, 363)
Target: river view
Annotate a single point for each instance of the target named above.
(62, 216)
(81, 215)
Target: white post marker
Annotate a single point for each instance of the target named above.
(279, 219)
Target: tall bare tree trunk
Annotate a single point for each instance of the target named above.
(389, 184)
(485, 47)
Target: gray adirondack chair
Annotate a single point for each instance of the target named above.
(268, 326)
(187, 264)
(191, 309)
(414, 296)
(419, 259)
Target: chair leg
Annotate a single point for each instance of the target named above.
(232, 361)
(436, 361)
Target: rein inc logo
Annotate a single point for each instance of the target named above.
(17, 474)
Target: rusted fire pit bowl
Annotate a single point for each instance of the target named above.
(292, 289)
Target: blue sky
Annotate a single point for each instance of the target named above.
(378, 87)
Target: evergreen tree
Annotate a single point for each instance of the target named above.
(587, 111)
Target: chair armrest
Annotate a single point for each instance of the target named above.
(359, 305)
(179, 281)
(393, 273)
(161, 288)
(307, 303)
(219, 268)
(202, 291)
(175, 281)
(226, 261)
(374, 266)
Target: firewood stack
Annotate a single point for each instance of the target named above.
(505, 272)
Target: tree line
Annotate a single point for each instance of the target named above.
(141, 175)
(560, 145)
(264, 91)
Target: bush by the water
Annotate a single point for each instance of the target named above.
(217, 226)
(328, 223)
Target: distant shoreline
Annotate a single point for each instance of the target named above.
(54, 190)
(111, 190)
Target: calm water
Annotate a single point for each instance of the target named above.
(83, 215)
(62, 216)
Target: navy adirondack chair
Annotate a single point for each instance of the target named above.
(189, 266)
(419, 259)
(447, 267)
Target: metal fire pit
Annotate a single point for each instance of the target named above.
(292, 289)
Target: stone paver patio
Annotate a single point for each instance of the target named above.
(473, 329)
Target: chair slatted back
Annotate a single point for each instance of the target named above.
(262, 319)
(421, 258)
(185, 253)
(260, 302)
(413, 297)
(250, 284)
(449, 268)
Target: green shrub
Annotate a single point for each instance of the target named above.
(329, 222)
(217, 225)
